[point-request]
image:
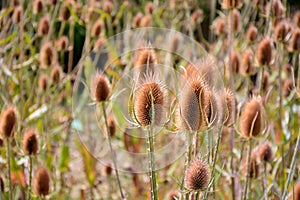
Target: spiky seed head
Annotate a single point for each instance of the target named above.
(14, 3)
(252, 33)
(287, 87)
(220, 27)
(264, 52)
(197, 175)
(236, 20)
(1, 142)
(196, 17)
(229, 4)
(231, 108)
(213, 113)
(251, 118)
(137, 20)
(43, 82)
(100, 88)
(294, 45)
(65, 13)
(145, 62)
(38, 6)
(108, 6)
(112, 126)
(280, 31)
(277, 9)
(8, 122)
(18, 13)
(44, 26)
(145, 21)
(41, 183)
(149, 8)
(247, 67)
(235, 62)
(56, 74)
(47, 57)
(265, 152)
(108, 169)
(62, 43)
(194, 105)
(96, 29)
(297, 191)
(30, 142)
(149, 94)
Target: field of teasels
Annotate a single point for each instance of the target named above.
(225, 87)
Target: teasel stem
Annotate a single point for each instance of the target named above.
(187, 158)
(292, 168)
(71, 53)
(151, 161)
(230, 21)
(265, 181)
(8, 166)
(208, 147)
(211, 18)
(260, 90)
(248, 168)
(30, 176)
(268, 19)
(112, 151)
(196, 142)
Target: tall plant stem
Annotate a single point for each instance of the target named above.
(112, 151)
(248, 168)
(152, 164)
(187, 157)
(30, 177)
(292, 168)
(260, 90)
(8, 166)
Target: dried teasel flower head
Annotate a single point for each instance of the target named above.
(30, 142)
(294, 42)
(149, 101)
(62, 43)
(230, 110)
(8, 122)
(100, 88)
(137, 20)
(43, 82)
(265, 85)
(280, 31)
(220, 27)
(196, 17)
(235, 62)
(47, 55)
(145, 21)
(112, 126)
(264, 52)
(56, 74)
(14, 3)
(265, 153)
(18, 13)
(108, 6)
(149, 8)
(251, 118)
(145, 62)
(247, 65)
(236, 20)
(252, 33)
(38, 6)
(197, 175)
(44, 26)
(96, 29)
(254, 166)
(41, 182)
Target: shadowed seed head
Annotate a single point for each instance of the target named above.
(100, 88)
(149, 8)
(173, 195)
(280, 31)
(112, 126)
(56, 74)
(229, 4)
(251, 118)
(47, 57)
(108, 6)
(41, 183)
(265, 152)
(148, 95)
(14, 3)
(252, 33)
(18, 13)
(197, 175)
(8, 122)
(195, 105)
(30, 142)
(62, 43)
(235, 62)
(247, 67)
(137, 20)
(44, 26)
(264, 52)
(65, 13)
(231, 108)
(43, 82)
(96, 30)
(220, 27)
(295, 41)
(236, 20)
(38, 6)
(254, 166)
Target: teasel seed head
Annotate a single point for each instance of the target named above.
(149, 94)
(194, 105)
(297, 191)
(230, 107)
(100, 88)
(220, 27)
(96, 29)
(296, 19)
(44, 26)
(145, 62)
(280, 31)
(1, 184)
(287, 87)
(47, 55)
(236, 20)
(14, 3)
(277, 9)
(137, 20)
(30, 142)
(235, 62)
(213, 112)
(41, 183)
(18, 13)
(65, 13)
(294, 45)
(149, 8)
(8, 122)
(43, 82)
(264, 52)
(252, 33)
(247, 66)
(56, 74)
(197, 175)
(38, 6)
(112, 126)
(108, 169)
(62, 43)
(265, 152)
(196, 17)
(145, 21)
(108, 6)
(173, 195)
(251, 118)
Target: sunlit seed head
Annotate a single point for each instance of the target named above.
(100, 88)
(38, 6)
(18, 13)
(264, 52)
(137, 20)
(56, 74)
(235, 62)
(251, 118)
(62, 43)
(254, 166)
(220, 27)
(247, 65)
(108, 6)
(252, 33)
(112, 126)
(296, 19)
(294, 43)
(96, 29)
(149, 8)
(65, 13)
(8, 122)
(236, 20)
(196, 17)
(265, 85)
(47, 55)
(197, 175)
(41, 182)
(265, 153)
(43, 82)
(30, 142)
(280, 31)
(297, 191)
(44, 26)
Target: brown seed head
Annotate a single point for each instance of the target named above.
(213, 113)
(145, 61)
(229, 4)
(264, 52)
(30, 142)
(277, 9)
(196, 17)
(265, 152)
(295, 41)
(62, 43)
(231, 107)
(14, 3)
(112, 126)
(149, 8)
(43, 82)
(197, 175)
(41, 183)
(251, 118)
(247, 67)
(44, 26)
(149, 94)
(47, 57)
(145, 21)
(56, 74)
(38, 6)
(173, 195)
(137, 20)
(280, 31)
(65, 13)
(296, 19)
(297, 191)
(220, 27)
(252, 33)
(8, 122)
(235, 62)
(236, 20)
(18, 13)
(108, 6)
(100, 88)
(96, 30)
(1, 184)
(287, 87)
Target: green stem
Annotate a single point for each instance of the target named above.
(248, 168)
(152, 164)
(260, 91)
(265, 181)
(30, 177)
(8, 165)
(292, 168)
(112, 151)
(187, 157)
